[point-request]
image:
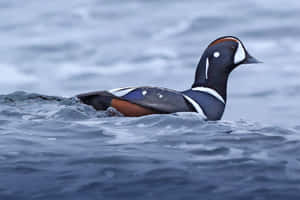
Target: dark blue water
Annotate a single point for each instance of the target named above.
(53, 147)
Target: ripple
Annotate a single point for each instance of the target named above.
(215, 151)
(84, 151)
(53, 147)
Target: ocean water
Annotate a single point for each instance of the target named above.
(53, 147)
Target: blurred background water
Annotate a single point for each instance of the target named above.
(53, 147)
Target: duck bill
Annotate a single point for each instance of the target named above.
(251, 60)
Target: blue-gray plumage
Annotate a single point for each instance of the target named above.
(159, 99)
(207, 96)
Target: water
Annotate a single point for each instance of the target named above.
(53, 147)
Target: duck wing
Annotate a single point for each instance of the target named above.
(138, 101)
(161, 100)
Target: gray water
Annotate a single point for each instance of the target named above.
(53, 147)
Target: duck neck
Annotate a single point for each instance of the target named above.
(220, 86)
(217, 80)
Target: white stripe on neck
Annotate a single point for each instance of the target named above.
(196, 106)
(206, 68)
(210, 91)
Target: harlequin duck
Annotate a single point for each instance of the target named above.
(207, 96)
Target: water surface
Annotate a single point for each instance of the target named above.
(53, 147)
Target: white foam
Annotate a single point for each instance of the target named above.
(125, 136)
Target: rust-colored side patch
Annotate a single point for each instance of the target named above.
(130, 109)
(222, 40)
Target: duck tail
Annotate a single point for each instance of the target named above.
(100, 100)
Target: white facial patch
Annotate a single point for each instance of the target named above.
(217, 54)
(206, 68)
(240, 54)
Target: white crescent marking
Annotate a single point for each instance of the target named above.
(121, 91)
(196, 106)
(209, 91)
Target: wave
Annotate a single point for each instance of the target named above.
(83, 151)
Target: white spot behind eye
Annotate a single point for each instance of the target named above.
(144, 92)
(217, 54)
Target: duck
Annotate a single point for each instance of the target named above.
(207, 95)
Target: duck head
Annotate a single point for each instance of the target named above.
(220, 58)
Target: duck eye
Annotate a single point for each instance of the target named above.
(216, 54)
